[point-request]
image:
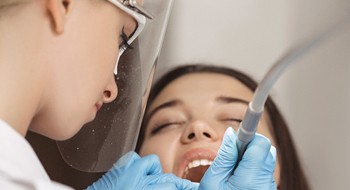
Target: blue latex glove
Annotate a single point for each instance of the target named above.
(133, 172)
(254, 172)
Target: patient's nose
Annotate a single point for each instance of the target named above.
(198, 131)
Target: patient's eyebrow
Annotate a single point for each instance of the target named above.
(227, 100)
(164, 105)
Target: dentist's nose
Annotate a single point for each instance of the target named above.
(197, 131)
(111, 91)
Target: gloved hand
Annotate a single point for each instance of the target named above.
(133, 172)
(254, 172)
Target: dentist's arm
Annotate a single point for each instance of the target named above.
(133, 172)
(254, 171)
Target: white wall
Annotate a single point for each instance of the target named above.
(244, 34)
(314, 94)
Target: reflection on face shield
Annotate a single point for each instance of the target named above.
(115, 130)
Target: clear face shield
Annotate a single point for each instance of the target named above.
(114, 132)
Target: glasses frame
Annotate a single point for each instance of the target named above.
(133, 4)
(139, 14)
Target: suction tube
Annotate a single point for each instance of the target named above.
(248, 127)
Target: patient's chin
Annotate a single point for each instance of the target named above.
(195, 174)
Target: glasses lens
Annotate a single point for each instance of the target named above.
(141, 21)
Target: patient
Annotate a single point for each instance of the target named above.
(188, 112)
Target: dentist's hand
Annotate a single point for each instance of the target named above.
(133, 172)
(254, 172)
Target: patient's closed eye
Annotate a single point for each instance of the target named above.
(232, 121)
(162, 126)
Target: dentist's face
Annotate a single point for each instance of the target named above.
(188, 119)
(82, 61)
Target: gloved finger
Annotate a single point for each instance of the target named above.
(165, 186)
(256, 157)
(126, 160)
(172, 179)
(170, 186)
(228, 153)
(272, 155)
(270, 161)
(149, 165)
(258, 149)
(255, 175)
(257, 165)
(222, 166)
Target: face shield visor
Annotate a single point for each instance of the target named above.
(114, 132)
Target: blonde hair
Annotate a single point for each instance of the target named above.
(7, 4)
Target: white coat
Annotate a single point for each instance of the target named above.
(20, 168)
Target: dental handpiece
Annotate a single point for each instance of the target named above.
(248, 126)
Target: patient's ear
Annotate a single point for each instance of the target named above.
(58, 10)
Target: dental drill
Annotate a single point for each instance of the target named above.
(248, 126)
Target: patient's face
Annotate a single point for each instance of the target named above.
(188, 120)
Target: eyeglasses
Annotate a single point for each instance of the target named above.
(133, 8)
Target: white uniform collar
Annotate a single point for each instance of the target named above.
(18, 158)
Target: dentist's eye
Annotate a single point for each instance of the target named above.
(124, 44)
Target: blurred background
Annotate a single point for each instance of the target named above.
(313, 94)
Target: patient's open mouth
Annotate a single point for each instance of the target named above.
(195, 170)
(194, 163)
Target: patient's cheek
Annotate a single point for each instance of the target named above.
(165, 151)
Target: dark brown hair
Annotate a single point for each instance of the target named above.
(292, 175)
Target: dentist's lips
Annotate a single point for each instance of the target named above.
(194, 164)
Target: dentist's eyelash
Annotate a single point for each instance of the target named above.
(125, 39)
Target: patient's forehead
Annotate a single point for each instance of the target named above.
(203, 85)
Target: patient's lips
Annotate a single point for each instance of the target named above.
(194, 163)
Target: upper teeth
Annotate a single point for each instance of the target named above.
(196, 163)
